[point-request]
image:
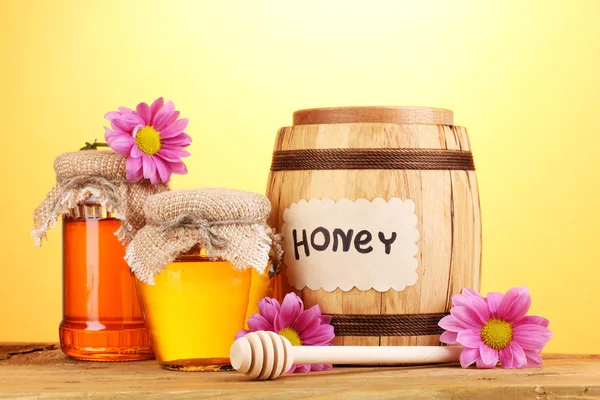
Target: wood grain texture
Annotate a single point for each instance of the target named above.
(447, 208)
(41, 371)
(395, 115)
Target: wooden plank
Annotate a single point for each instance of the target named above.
(41, 371)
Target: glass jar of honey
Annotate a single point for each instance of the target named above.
(102, 318)
(195, 309)
(204, 261)
(101, 210)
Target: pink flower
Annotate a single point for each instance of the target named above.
(152, 139)
(301, 327)
(496, 328)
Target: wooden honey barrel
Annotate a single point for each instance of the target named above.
(379, 210)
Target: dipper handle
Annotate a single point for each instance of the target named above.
(265, 355)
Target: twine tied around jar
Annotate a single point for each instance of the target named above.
(100, 175)
(211, 237)
(229, 225)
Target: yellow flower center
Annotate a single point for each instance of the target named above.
(291, 335)
(148, 140)
(496, 333)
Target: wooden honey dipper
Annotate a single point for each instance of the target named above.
(265, 355)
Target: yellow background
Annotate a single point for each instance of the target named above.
(522, 76)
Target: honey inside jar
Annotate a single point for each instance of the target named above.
(102, 317)
(195, 309)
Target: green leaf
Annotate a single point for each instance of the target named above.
(93, 146)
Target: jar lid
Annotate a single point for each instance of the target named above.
(99, 175)
(107, 164)
(210, 204)
(229, 224)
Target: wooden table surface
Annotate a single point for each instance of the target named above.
(41, 371)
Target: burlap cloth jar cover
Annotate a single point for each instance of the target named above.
(101, 175)
(229, 225)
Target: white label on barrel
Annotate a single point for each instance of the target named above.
(346, 244)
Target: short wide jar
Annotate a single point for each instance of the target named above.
(195, 309)
(203, 261)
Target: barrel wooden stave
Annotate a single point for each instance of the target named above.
(449, 251)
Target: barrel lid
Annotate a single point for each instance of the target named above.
(395, 115)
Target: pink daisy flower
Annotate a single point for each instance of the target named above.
(496, 328)
(290, 320)
(152, 139)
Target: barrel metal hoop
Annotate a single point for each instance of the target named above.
(380, 158)
(387, 325)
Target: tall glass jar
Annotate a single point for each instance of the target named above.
(196, 308)
(102, 318)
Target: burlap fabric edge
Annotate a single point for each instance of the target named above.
(101, 175)
(229, 225)
(151, 251)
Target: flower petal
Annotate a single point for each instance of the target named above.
(122, 144)
(494, 299)
(515, 304)
(274, 303)
(126, 123)
(148, 166)
(155, 107)
(471, 292)
(534, 320)
(489, 356)
(268, 310)
(533, 358)
(325, 319)
(178, 167)
(182, 140)
(143, 110)
(174, 117)
(307, 317)
(125, 110)
(535, 329)
(531, 337)
(461, 300)
(317, 367)
(451, 324)
(302, 368)
(519, 358)
(481, 364)
(241, 333)
(506, 357)
(109, 135)
(174, 129)
(468, 356)
(257, 322)
(112, 115)
(481, 308)
(133, 169)
(291, 307)
(448, 337)
(163, 116)
(163, 169)
(172, 153)
(467, 317)
(321, 337)
(469, 339)
(136, 152)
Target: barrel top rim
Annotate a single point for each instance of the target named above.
(370, 114)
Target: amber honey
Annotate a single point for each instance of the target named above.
(102, 317)
(196, 308)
